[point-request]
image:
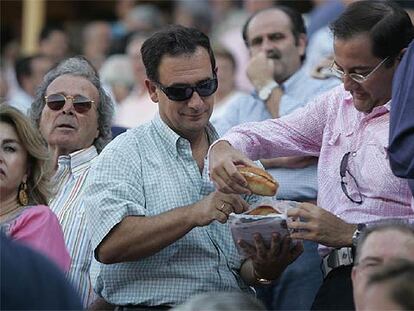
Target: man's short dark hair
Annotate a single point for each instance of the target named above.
(387, 24)
(173, 40)
(296, 21)
(48, 29)
(23, 67)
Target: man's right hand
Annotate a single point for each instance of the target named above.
(217, 206)
(223, 159)
(260, 70)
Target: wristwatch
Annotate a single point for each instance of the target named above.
(261, 280)
(264, 92)
(357, 234)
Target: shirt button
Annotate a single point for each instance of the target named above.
(354, 154)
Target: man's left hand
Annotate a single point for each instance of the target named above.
(319, 225)
(269, 263)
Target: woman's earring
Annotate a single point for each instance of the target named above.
(23, 198)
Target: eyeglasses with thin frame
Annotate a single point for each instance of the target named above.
(343, 169)
(357, 77)
(80, 103)
(184, 92)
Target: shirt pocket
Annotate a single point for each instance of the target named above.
(333, 138)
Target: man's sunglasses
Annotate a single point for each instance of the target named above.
(81, 103)
(184, 92)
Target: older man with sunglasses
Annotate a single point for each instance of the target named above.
(158, 226)
(74, 116)
(348, 129)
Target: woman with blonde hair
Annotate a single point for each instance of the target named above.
(25, 189)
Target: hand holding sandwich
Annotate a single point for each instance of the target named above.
(232, 172)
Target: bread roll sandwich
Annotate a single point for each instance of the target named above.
(264, 210)
(259, 181)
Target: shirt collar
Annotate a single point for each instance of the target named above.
(294, 78)
(75, 161)
(287, 84)
(172, 139)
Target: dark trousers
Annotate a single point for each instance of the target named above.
(336, 291)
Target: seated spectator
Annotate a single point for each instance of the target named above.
(74, 115)
(25, 188)
(29, 281)
(96, 41)
(347, 128)
(137, 108)
(54, 43)
(4, 86)
(226, 74)
(194, 14)
(158, 228)
(219, 301)
(322, 14)
(117, 77)
(29, 74)
(122, 8)
(401, 149)
(391, 287)
(379, 245)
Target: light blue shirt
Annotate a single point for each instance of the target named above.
(147, 171)
(299, 89)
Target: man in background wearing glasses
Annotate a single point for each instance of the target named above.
(348, 129)
(74, 116)
(158, 226)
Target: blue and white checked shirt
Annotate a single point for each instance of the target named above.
(299, 89)
(147, 171)
(68, 206)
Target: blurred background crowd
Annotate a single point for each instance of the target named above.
(37, 34)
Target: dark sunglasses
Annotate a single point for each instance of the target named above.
(184, 92)
(81, 103)
(343, 169)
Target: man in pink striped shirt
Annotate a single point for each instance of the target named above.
(347, 128)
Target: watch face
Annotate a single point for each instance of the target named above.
(265, 92)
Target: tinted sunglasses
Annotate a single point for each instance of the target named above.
(184, 92)
(81, 103)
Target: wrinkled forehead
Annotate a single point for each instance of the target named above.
(355, 51)
(68, 84)
(269, 21)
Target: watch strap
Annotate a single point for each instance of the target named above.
(265, 92)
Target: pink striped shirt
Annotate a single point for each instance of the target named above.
(329, 127)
